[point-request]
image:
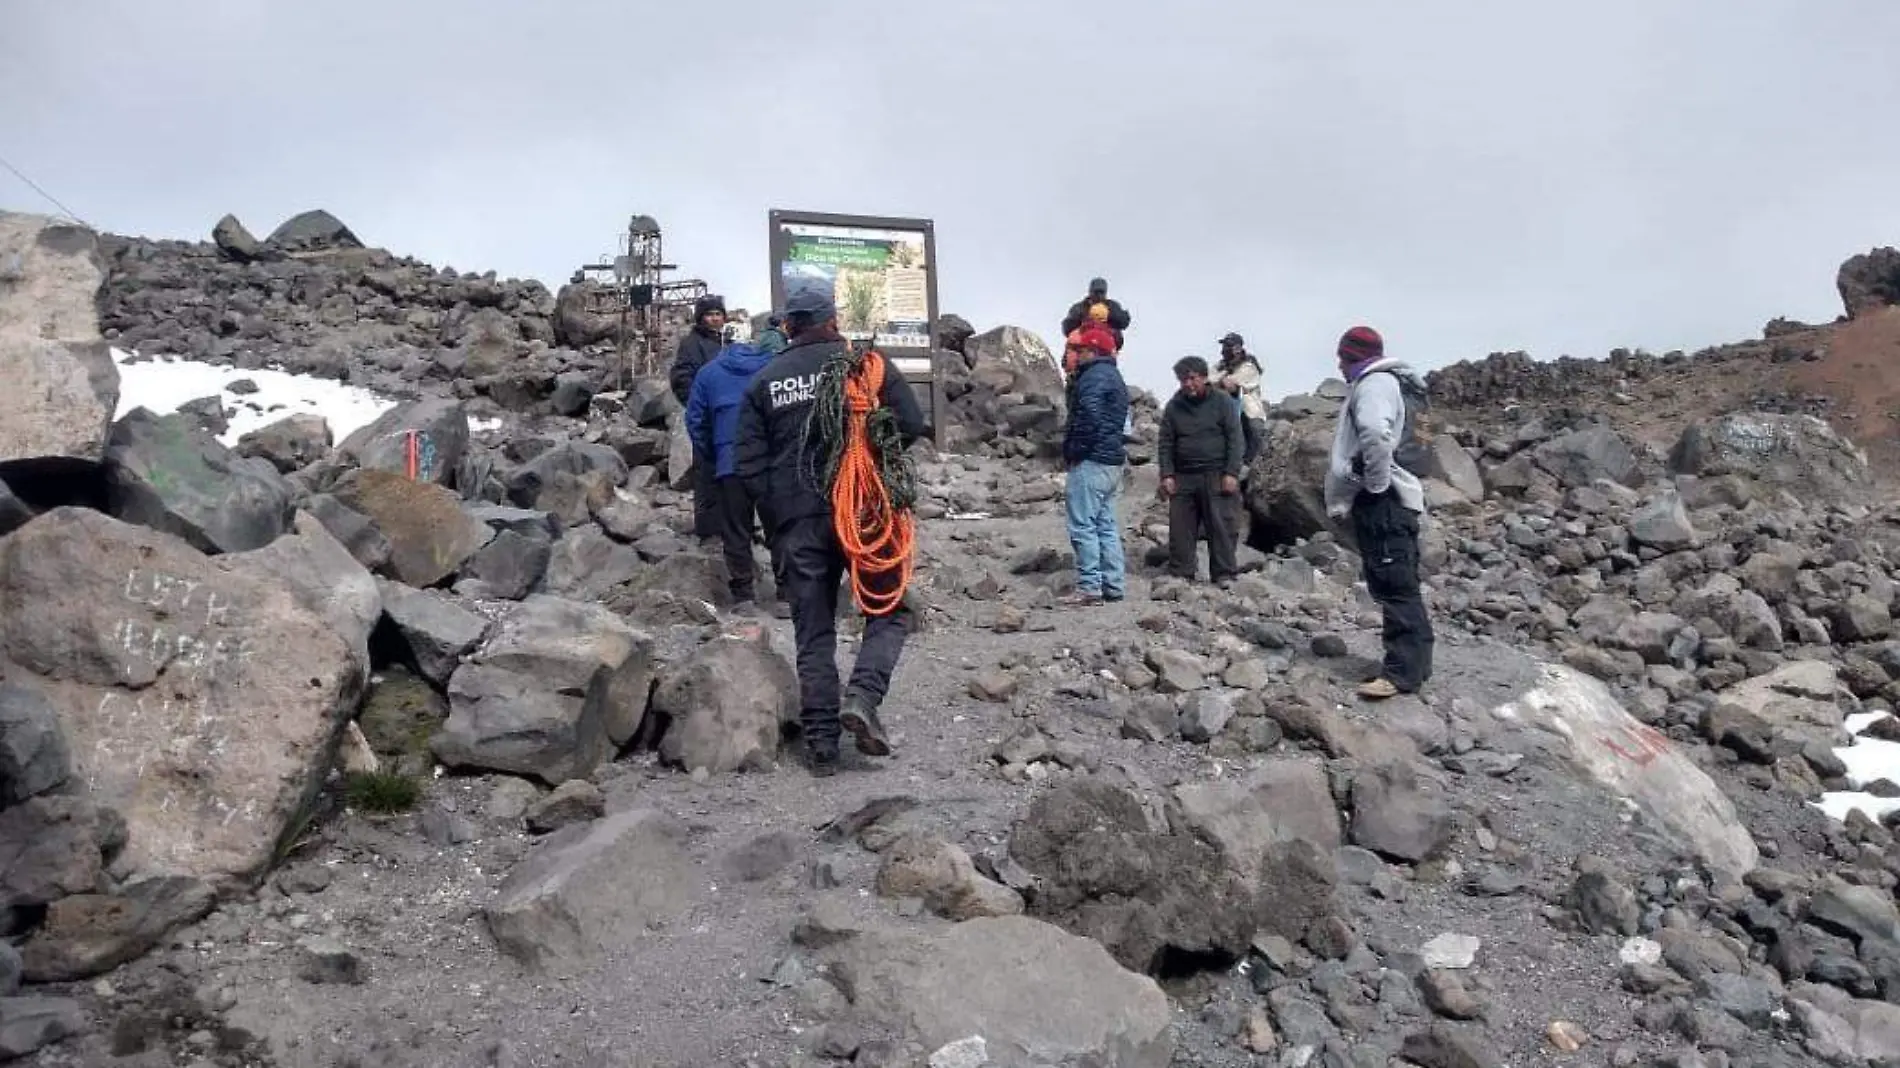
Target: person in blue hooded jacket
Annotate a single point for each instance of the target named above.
(712, 422)
(1095, 452)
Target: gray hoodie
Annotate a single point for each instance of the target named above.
(1370, 423)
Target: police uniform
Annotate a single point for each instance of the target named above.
(774, 455)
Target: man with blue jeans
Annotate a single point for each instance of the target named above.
(1095, 451)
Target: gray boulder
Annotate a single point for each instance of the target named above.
(352, 529)
(508, 568)
(325, 579)
(50, 847)
(556, 686)
(994, 978)
(165, 473)
(1279, 801)
(1398, 815)
(594, 889)
(210, 767)
(1794, 452)
(1663, 523)
(1869, 282)
(1583, 456)
(435, 631)
(440, 430)
(30, 1024)
(236, 242)
(725, 705)
(90, 934)
(61, 384)
(293, 442)
(34, 756)
(312, 231)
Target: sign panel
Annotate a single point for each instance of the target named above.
(880, 273)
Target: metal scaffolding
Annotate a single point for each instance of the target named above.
(632, 288)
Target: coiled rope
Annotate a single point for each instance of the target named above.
(858, 461)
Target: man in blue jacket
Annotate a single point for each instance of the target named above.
(712, 421)
(1095, 452)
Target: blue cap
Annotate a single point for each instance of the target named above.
(812, 305)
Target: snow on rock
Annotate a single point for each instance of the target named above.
(162, 383)
(1867, 760)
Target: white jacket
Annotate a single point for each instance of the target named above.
(1370, 422)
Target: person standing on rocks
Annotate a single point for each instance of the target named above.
(712, 421)
(698, 348)
(779, 451)
(1093, 450)
(1239, 376)
(1366, 480)
(1199, 457)
(1096, 306)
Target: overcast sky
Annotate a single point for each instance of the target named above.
(1466, 176)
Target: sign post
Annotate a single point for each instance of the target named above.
(881, 273)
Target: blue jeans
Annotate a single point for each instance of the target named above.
(1095, 529)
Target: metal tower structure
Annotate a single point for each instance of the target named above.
(633, 288)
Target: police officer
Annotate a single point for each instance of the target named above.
(775, 457)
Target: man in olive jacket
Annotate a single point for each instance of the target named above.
(1199, 455)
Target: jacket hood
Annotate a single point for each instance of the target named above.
(1396, 366)
(742, 359)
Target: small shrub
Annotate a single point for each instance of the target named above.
(381, 791)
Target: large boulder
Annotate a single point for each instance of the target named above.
(1584, 456)
(1156, 900)
(725, 705)
(1033, 994)
(555, 687)
(235, 241)
(428, 533)
(435, 430)
(1869, 281)
(593, 889)
(322, 574)
(1636, 762)
(1010, 359)
(165, 473)
(580, 318)
(61, 384)
(201, 699)
(312, 231)
(434, 632)
(1278, 801)
(293, 442)
(1794, 452)
(1286, 484)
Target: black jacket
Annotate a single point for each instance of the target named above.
(770, 452)
(1098, 409)
(1200, 435)
(698, 348)
(1079, 312)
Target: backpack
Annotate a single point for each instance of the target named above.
(1414, 449)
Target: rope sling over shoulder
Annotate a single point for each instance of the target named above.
(862, 467)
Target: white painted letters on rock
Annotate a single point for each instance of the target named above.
(201, 699)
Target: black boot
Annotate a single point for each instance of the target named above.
(860, 718)
(821, 756)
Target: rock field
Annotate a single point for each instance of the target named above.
(309, 763)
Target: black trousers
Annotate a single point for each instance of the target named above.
(735, 533)
(705, 499)
(815, 567)
(1199, 508)
(1387, 533)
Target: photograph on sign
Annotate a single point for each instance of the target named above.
(878, 279)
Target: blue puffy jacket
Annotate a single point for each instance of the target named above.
(712, 405)
(1098, 411)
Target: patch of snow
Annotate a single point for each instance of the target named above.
(480, 425)
(1867, 760)
(163, 383)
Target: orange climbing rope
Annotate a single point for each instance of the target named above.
(878, 538)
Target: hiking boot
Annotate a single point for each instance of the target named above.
(747, 608)
(1378, 690)
(822, 758)
(1079, 599)
(861, 720)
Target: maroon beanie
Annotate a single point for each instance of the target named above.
(1361, 343)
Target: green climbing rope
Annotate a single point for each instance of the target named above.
(822, 447)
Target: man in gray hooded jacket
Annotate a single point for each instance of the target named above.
(1365, 481)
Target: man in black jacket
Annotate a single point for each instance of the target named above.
(1114, 315)
(1199, 456)
(699, 347)
(774, 457)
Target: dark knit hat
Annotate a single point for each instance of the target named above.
(1361, 343)
(1098, 286)
(711, 302)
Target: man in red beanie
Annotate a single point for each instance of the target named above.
(1374, 477)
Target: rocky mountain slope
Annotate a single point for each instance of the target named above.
(438, 746)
